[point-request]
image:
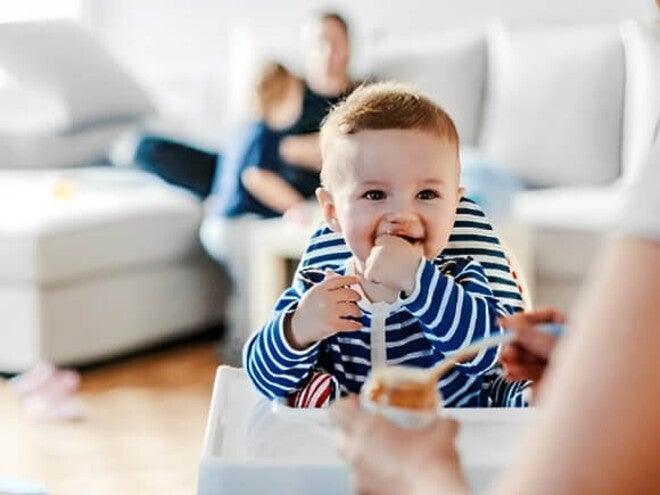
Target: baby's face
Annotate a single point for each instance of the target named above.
(396, 182)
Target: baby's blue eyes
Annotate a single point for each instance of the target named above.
(377, 195)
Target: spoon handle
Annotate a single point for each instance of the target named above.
(556, 329)
(470, 351)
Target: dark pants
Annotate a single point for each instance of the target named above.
(177, 163)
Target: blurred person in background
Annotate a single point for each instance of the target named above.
(327, 44)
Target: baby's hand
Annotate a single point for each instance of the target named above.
(393, 262)
(323, 309)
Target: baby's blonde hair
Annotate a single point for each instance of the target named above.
(271, 85)
(385, 105)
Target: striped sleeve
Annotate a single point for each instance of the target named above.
(454, 312)
(499, 392)
(273, 366)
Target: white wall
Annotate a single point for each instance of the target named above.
(183, 50)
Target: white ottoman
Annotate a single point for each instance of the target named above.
(98, 261)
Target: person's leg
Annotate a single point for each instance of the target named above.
(177, 163)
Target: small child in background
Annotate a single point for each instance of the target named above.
(279, 96)
(390, 181)
(253, 177)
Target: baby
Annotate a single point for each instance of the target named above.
(391, 187)
(278, 97)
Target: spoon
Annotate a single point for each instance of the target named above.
(421, 383)
(466, 353)
(396, 377)
(556, 329)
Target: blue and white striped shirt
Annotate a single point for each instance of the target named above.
(457, 300)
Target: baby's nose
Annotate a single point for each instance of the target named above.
(401, 219)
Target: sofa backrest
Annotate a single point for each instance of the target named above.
(69, 71)
(554, 103)
(449, 67)
(558, 105)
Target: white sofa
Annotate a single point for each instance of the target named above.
(95, 260)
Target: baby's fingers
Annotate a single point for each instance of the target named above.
(334, 281)
(348, 309)
(344, 294)
(344, 325)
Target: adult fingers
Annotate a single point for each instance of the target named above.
(519, 353)
(546, 314)
(518, 322)
(509, 353)
(343, 412)
(450, 427)
(524, 371)
(536, 342)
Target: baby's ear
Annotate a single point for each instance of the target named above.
(461, 193)
(328, 208)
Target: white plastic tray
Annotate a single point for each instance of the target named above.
(256, 447)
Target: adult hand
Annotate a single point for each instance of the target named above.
(323, 309)
(527, 357)
(386, 459)
(393, 262)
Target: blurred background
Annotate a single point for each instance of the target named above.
(556, 102)
(194, 57)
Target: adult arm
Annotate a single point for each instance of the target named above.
(598, 431)
(598, 428)
(302, 150)
(270, 189)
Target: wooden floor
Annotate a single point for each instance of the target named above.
(142, 432)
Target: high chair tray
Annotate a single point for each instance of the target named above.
(253, 446)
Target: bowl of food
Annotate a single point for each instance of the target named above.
(405, 395)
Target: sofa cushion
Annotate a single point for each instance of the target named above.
(554, 104)
(68, 99)
(589, 208)
(448, 67)
(64, 57)
(641, 43)
(56, 150)
(68, 224)
(30, 107)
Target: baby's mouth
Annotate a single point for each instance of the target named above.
(411, 240)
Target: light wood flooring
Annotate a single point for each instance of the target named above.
(142, 431)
